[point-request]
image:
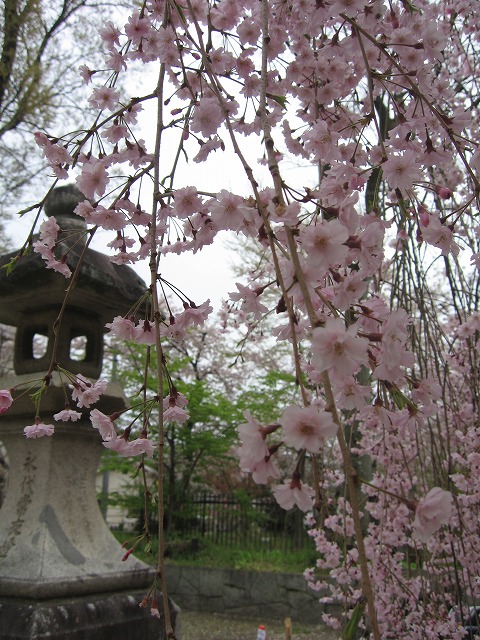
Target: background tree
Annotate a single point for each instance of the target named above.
(221, 379)
(42, 45)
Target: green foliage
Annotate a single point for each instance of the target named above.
(267, 395)
(214, 556)
(351, 628)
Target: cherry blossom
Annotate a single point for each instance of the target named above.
(86, 393)
(263, 470)
(228, 211)
(175, 414)
(393, 355)
(254, 449)
(67, 414)
(250, 300)
(207, 117)
(103, 424)
(39, 429)
(433, 511)
(401, 171)
(325, 244)
(92, 180)
(109, 219)
(439, 235)
(6, 400)
(294, 492)
(128, 449)
(338, 348)
(104, 98)
(307, 427)
(144, 333)
(121, 328)
(187, 202)
(142, 446)
(137, 27)
(59, 266)
(193, 315)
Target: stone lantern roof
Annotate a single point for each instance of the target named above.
(32, 295)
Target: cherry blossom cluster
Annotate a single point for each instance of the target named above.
(378, 103)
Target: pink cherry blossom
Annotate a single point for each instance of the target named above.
(187, 202)
(85, 392)
(439, 235)
(433, 511)
(228, 211)
(253, 449)
(349, 7)
(401, 171)
(325, 244)
(59, 266)
(92, 180)
(104, 98)
(293, 492)
(115, 133)
(321, 142)
(128, 449)
(393, 354)
(85, 210)
(425, 393)
(85, 73)
(121, 328)
(109, 219)
(103, 424)
(49, 232)
(39, 429)
(116, 61)
(383, 98)
(250, 300)
(119, 445)
(142, 446)
(6, 400)
(307, 427)
(349, 290)
(263, 470)
(41, 247)
(67, 414)
(193, 315)
(349, 394)
(137, 27)
(144, 333)
(175, 399)
(206, 148)
(110, 34)
(207, 117)
(175, 414)
(337, 348)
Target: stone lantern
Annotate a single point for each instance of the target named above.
(61, 569)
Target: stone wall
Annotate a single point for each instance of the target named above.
(273, 595)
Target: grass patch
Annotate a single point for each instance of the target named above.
(205, 553)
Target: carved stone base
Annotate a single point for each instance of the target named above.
(93, 617)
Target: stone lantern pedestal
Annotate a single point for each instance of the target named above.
(61, 569)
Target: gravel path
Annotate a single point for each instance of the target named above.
(210, 626)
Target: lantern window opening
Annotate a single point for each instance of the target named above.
(80, 349)
(36, 343)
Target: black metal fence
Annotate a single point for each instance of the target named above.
(242, 521)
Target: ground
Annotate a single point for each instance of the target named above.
(207, 626)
